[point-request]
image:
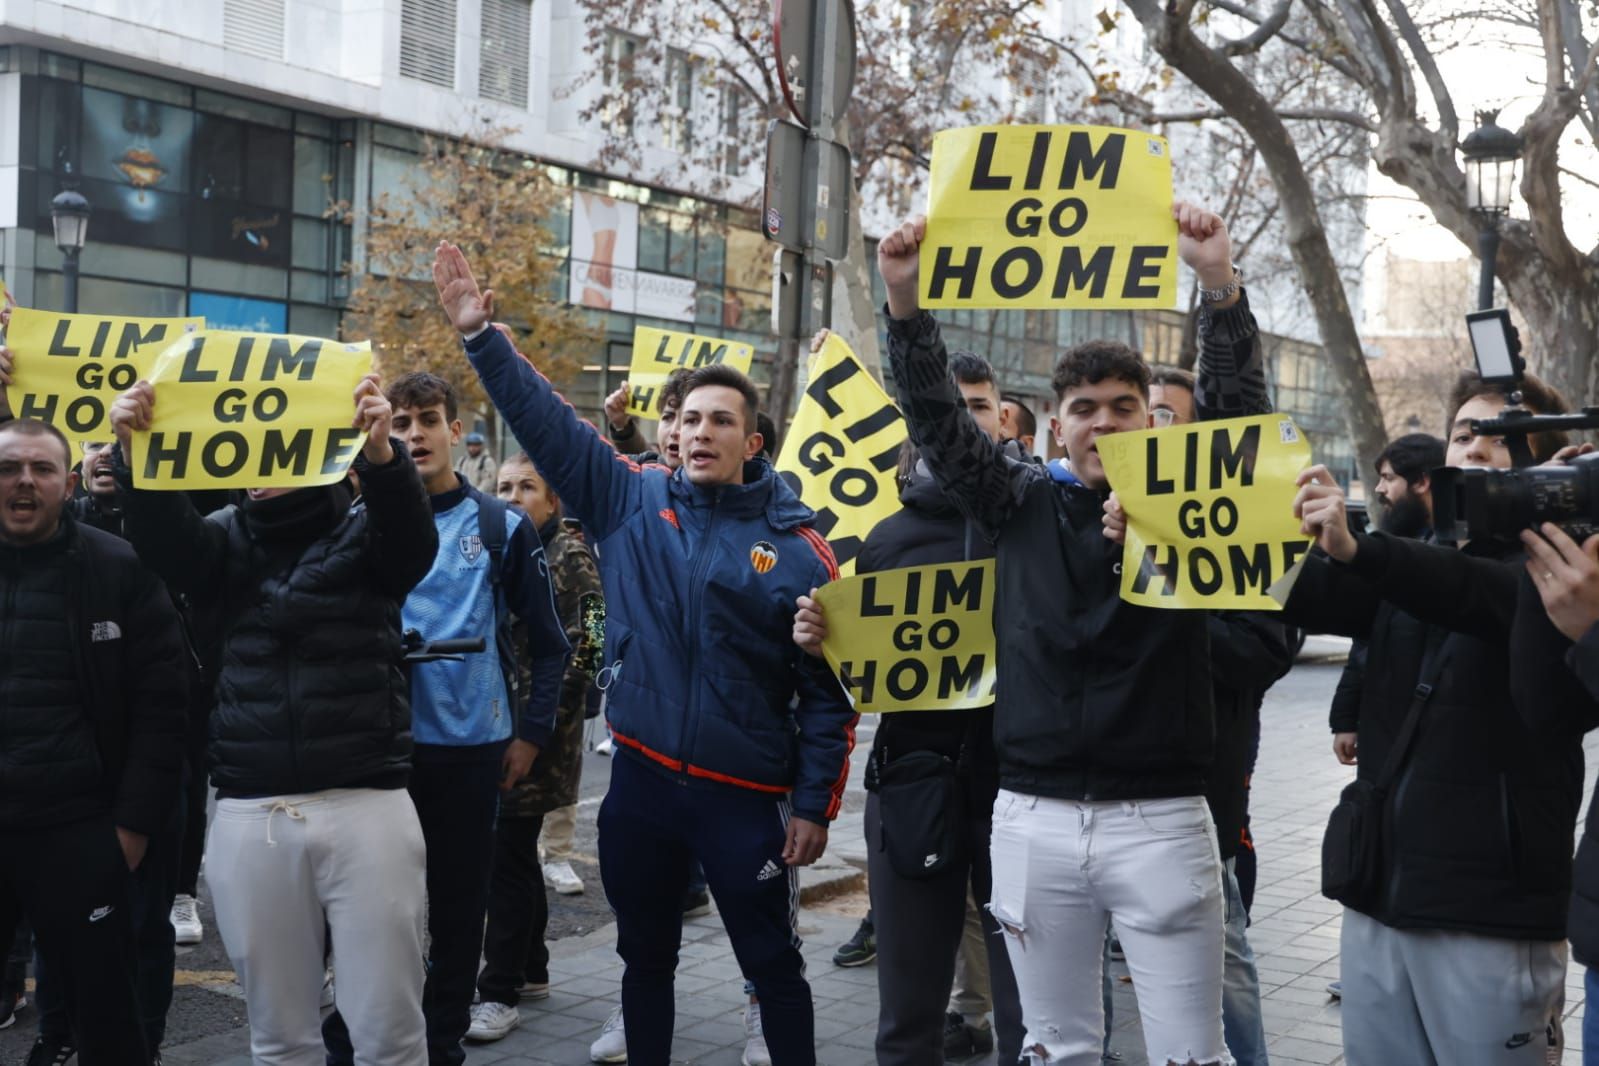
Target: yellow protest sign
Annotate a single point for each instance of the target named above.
(917, 639)
(68, 370)
(1049, 217)
(658, 352)
(251, 410)
(842, 449)
(1210, 510)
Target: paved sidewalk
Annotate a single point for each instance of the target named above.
(1295, 935)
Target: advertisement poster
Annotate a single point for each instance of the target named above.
(604, 272)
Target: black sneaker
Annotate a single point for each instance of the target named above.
(696, 904)
(962, 1041)
(860, 949)
(52, 1052)
(1116, 952)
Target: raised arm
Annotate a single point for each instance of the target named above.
(969, 467)
(600, 486)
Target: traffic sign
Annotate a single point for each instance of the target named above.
(815, 41)
(808, 188)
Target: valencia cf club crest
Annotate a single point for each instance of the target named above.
(471, 548)
(763, 557)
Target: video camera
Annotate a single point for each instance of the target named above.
(1476, 503)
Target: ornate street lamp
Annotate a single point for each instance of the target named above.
(69, 213)
(1491, 153)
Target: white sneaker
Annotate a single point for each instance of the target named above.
(561, 877)
(755, 1053)
(612, 1044)
(186, 920)
(492, 1021)
(604, 748)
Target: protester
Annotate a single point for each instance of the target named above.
(1017, 422)
(94, 690)
(1104, 719)
(713, 762)
(920, 920)
(1459, 955)
(155, 884)
(629, 439)
(311, 737)
(477, 467)
(1554, 675)
(515, 959)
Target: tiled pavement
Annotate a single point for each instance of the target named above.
(1294, 934)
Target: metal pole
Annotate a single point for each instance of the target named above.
(69, 281)
(1488, 252)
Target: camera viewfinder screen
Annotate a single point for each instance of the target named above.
(1489, 341)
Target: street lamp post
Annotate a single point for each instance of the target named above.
(1491, 153)
(69, 214)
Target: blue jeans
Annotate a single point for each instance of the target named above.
(1240, 991)
(1590, 1020)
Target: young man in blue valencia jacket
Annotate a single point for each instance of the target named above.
(733, 746)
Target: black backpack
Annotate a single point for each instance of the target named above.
(491, 513)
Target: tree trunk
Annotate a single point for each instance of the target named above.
(1174, 39)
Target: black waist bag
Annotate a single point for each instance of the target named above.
(1352, 849)
(921, 812)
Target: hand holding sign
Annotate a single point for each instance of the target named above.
(1320, 507)
(616, 409)
(1115, 521)
(810, 625)
(469, 308)
(5, 378)
(899, 262)
(132, 413)
(375, 417)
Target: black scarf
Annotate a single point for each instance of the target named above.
(301, 516)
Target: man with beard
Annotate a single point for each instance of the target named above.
(1404, 484)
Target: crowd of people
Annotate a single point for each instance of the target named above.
(380, 811)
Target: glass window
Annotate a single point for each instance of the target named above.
(65, 67)
(127, 82)
(309, 287)
(109, 297)
(313, 175)
(247, 232)
(123, 215)
(315, 125)
(310, 244)
(248, 110)
(654, 225)
(711, 261)
(240, 278)
(680, 248)
(314, 321)
(677, 113)
(219, 158)
(269, 168)
(60, 116)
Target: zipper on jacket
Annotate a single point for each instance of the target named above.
(696, 585)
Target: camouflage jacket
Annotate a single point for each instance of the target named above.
(581, 605)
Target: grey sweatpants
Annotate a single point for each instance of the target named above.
(1430, 998)
(276, 866)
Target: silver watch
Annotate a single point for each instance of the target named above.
(1227, 291)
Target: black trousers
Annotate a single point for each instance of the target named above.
(72, 883)
(519, 912)
(456, 802)
(919, 924)
(150, 893)
(195, 794)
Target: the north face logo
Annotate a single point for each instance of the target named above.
(100, 631)
(471, 548)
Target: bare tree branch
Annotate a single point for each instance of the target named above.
(1448, 121)
(1292, 114)
(1263, 32)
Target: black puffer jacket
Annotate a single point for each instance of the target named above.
(92, 685)
(929, 530)
(312, 694)
(1482, 811)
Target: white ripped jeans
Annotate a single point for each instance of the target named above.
(1062, 870)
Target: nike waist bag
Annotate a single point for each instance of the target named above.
(921, 815)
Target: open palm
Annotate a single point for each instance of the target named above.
(468, 307)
